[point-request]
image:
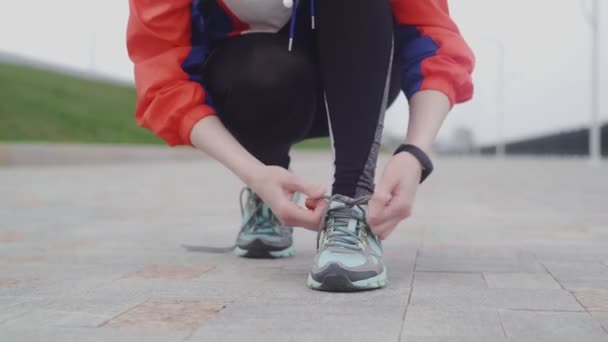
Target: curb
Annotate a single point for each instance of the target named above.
(42, 154)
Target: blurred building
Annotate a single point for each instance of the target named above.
(573, 143)
(461, 141)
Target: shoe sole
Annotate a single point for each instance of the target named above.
(265, 254)
(339, 282)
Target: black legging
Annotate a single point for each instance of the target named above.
(270, 98)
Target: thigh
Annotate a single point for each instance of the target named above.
(320, 126)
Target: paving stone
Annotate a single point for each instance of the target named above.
(9, 300)
(53, 318)
(431, 322)
(452, 339)
(575, 268)
(597, 338)
(95, 304)
(591, 253)
(198, 289)
(585, 282)
(471, 299)
(387, 298)
(593, 299)
(579, 275)
(10, 282)
(176, 315)
(510, 264)
(73, 246)
(446, 280)
(98, 228)
(456, 250)
(9, 311)
(520, 281)
(21, 259)
(63, 334)
(601, 317)
(172, 272)
(261, 335)
(303, 322)
(6, 237)
(531, 324)
(46, 285)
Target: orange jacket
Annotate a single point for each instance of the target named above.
(169, 41)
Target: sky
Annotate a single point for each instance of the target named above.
(547, 57)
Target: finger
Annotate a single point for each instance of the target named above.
(295, 183)
(384, 230)
(318, 213)
(310, 203)
(313, 203)
(290, 214)
(399, 208)
(380, 200)
(376, 207)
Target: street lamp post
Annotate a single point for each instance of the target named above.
(500, 100)
(593, 16)
(500, 93)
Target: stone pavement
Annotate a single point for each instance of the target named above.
(512, 250)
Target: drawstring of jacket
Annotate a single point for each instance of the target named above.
(293, 4)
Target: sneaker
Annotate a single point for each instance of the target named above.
(261, 235)
(349, 256)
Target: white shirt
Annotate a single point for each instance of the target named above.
(261, 15)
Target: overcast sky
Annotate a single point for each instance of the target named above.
(547, 46)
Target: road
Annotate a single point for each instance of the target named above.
(497, 250)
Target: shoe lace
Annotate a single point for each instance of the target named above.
(260, 218)
(336, 232)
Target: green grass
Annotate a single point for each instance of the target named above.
(41, 105)
(38, 105)
(314, 144)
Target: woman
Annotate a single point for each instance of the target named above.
(244, 80)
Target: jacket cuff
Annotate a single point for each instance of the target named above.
(441, 85)
(456, 96)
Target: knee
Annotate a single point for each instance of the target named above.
(265, 87)
(278, 86)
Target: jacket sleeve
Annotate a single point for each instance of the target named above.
(169, 99)
(431, 52)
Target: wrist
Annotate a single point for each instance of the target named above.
(410, 162)
(423, 161)
(425, 145)
(249, 171)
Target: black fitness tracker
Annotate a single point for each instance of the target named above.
(423, 158)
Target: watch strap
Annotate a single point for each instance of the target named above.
(421, 156)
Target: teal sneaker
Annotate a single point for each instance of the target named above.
(349, 256)
(262, 235)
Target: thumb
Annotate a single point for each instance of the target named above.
(295, 183)
(314, 203)
(376, 206)
(379, 201)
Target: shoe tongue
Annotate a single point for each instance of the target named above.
(339, 201)
(343, 214)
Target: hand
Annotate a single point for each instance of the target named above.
(276, 186)
(392, 202)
